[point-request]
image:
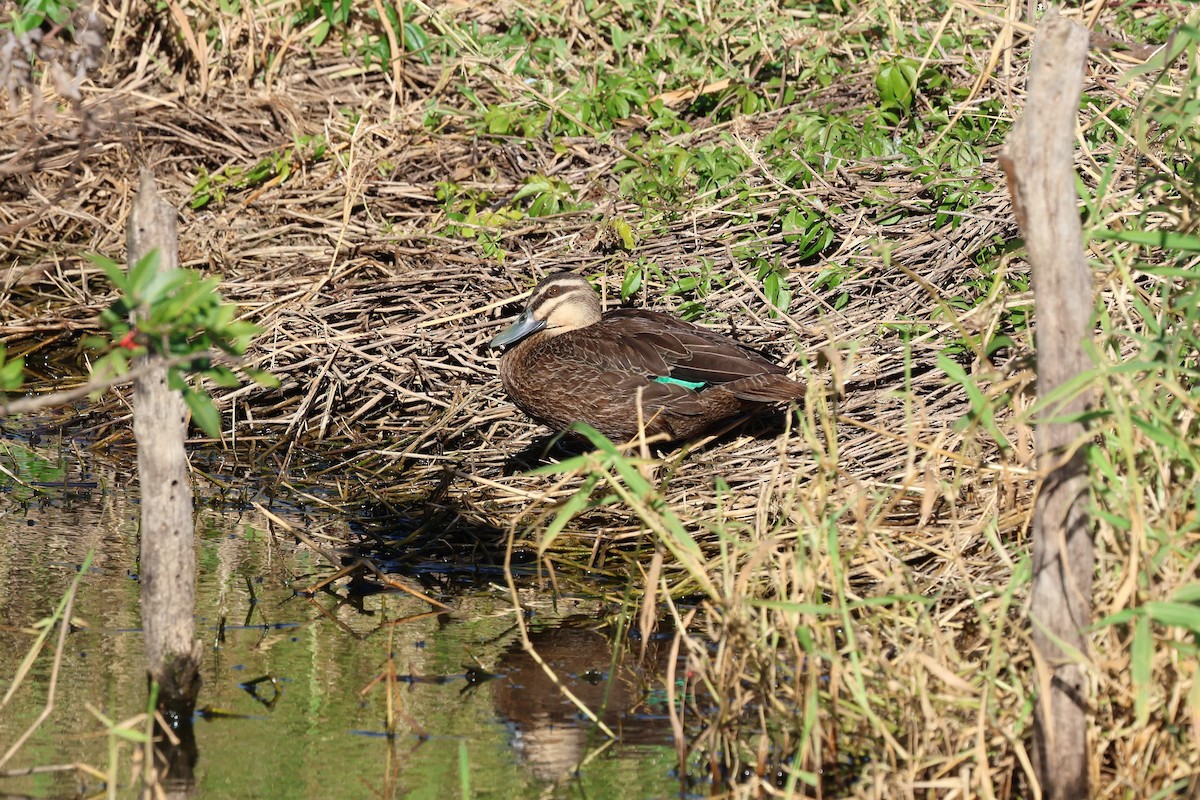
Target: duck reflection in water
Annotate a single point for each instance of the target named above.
(552, 735)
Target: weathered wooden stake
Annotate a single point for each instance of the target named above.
(168, 560)
(1040, 165)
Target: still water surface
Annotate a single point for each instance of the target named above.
(295, 687)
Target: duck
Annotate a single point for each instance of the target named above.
(567, 362)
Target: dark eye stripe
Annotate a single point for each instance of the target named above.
(558, 290)
(546, 304)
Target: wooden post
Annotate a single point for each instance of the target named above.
(168, 555)
(1039, 163)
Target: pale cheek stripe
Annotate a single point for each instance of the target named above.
(546, 307)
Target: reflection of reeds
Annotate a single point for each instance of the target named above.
(393, 705)
(61, 617)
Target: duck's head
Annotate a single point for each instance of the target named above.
(560, 303)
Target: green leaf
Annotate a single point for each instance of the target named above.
(415, 41)
(1141, 668)
(12, 373)
(262, 377)
(1116, 520)
(221, 317)
(1187, 594)
(1119, 618)
(1165, 436)
(95, 342)
(537, 185)
(1180, 615)
(1160, 238)
(567, 511)
(981, 409)
(175, 380)
(632, 281)
(223, 377)
(137, 737)
(998, 342)
(624, 233)
(204, 412)
(112, 365)
(241, 327)
(112, 270)
(159, 285)
(119, 360)
(141, 273)
(320, 32)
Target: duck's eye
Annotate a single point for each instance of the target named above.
(554, 291)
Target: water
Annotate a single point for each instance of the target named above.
(296, 688)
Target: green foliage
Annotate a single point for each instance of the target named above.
(950, 174)
(718, 169)
(546, 196)
(658, 177)
(772, 273)
(180, 315)
(358, 26)
(1144, 459)
(469, 214)
(896, 82)
(616, 233)
(692, 282)
(807, 230)
(1181, 611)
(507, 119)
(1165, 368)
(775, 285)
(635, 275)
(1142, 23)
(992, 284)
(1169, 240)
(475, 214)
(1172, 123)
(12, 372)
(596, 106)
(334, 13)
(412, 38)
(830, 279)
(31, 14)
(214, 187)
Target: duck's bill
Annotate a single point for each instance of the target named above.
(524, 326)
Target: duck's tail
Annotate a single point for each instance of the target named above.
(766, 388)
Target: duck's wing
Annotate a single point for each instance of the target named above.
(660, 346)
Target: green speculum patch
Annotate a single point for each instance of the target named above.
(693, 385)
